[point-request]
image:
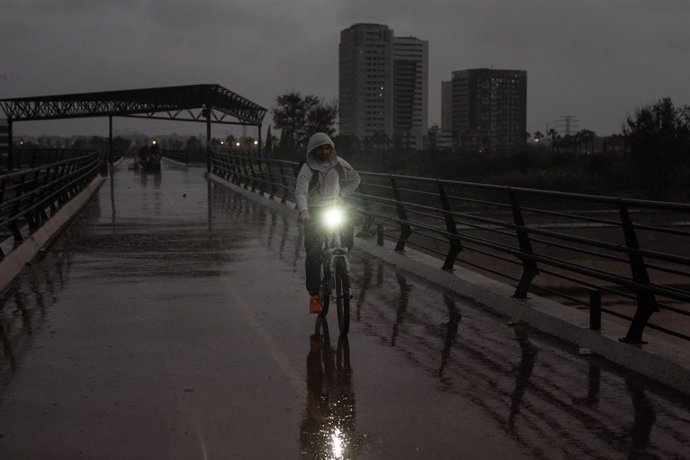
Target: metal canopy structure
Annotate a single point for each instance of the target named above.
(201, 103)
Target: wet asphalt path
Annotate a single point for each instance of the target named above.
(149, 331)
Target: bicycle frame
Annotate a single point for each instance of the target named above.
(336, 266)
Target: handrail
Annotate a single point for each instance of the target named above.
(577, 242)
(29, 157)
(27, 195)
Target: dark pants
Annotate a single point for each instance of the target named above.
(314, 235)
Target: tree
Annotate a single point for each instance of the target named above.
(268, 145)
(658, 138)
(538, 136)
(554, 138)
(322, 118)
(298, 117)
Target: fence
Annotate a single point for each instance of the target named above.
(26, 196)
(181, 156)
(627, 258)
(33, 157)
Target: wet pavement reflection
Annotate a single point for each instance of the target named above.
(164, 324)
(328, 428)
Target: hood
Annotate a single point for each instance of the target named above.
(316, 140)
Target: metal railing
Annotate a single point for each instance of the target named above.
(181, 156)
(28, 195)
(34, 157)
(625, 257)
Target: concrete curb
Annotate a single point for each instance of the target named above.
(660, 361)
(15, 261)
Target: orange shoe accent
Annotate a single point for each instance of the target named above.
(315, 304)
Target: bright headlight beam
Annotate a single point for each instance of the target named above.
(333, 217)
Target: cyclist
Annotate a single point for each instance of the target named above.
(323, 178)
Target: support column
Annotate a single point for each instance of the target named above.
(10, 146)
(110, 139)
(259, 149)
(208, 140)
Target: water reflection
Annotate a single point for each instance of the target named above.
(272, 230)
(364, 285)
(644, 419)
(24, 307)
(299, 240)
(328, 426)
(7, 347)
(451, 331)
(283, 237)
(402, 305)
(524, 372)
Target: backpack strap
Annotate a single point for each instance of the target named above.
(314, 181)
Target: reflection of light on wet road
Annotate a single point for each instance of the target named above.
(338, 443)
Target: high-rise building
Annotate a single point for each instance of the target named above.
(446, 106)
(366, 80)
(489, 109)
(383, 85)
(410, 91)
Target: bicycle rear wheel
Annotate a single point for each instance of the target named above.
(342, 296)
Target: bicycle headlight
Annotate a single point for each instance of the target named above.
(333, 218)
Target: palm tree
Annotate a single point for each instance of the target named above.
(538, 136)
(554, 137)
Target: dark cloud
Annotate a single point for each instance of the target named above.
(596, 59)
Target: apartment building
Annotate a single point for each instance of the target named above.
(489, 109)
(410, 91)
(366, 80)
(383, 84)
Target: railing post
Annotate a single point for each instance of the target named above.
(646, 301)
(253, 171)
(264, 179)
(272, 193)
(405, 230)
(455, 243)
(212, 162)
(529, 266)
(595, 309)
(368, 215)
(245, 171)
(231, 165)
(14, 226)
(379, 234)
(284, 182)
(32, 217)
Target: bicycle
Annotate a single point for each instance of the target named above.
(335, 282)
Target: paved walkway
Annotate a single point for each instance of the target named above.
(154, 329)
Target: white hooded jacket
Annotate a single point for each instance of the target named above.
(329, 187)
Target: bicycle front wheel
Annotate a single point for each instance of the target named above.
(325, 289)
(342, 296)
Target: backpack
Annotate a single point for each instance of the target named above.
(314, 182)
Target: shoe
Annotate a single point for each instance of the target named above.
(315, 304)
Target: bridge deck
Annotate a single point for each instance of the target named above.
(151, 331)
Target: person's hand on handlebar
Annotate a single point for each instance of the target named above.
(303, 216)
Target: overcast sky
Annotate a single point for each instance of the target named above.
(595, 59)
